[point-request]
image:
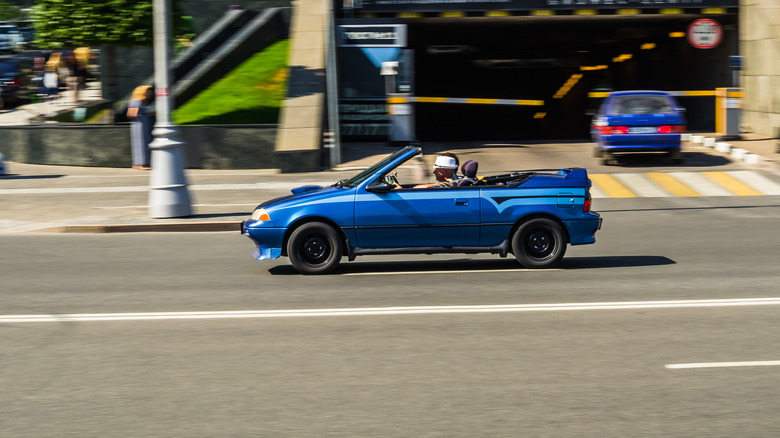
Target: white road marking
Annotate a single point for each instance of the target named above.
(596, 192)
(760, 363)
(757, 181)
(642, 186)
(465, 271)
(122, 207)
(374, 311)
(701, 184)
(125, 189)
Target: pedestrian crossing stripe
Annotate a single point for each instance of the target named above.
(672, 185)
(682, 184)
(611, 187)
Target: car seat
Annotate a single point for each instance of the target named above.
(469, 171)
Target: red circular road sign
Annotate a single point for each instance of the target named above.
(705, 33)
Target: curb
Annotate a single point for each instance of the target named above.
(734, 152)
(146, 228)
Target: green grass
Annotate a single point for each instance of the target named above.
(251, 94)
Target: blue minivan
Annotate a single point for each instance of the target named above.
(638, 121)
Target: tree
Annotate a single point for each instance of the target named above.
(63, 24)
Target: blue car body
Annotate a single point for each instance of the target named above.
(368, 215)
(638, 121)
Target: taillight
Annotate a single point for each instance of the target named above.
(671, 129)
(15, 83)
(610, 130)
(586, 205)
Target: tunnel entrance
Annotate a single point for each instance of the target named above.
(558, 60)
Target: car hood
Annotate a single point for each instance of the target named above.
(304, 194)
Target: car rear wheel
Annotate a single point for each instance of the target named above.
(539, 243)
(315, 248)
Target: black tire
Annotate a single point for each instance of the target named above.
(539, 243)
(315, 248)
(675, 156)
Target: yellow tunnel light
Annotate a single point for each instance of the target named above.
(593, 67)
(623, 57)
(677, 35)
(647, 46)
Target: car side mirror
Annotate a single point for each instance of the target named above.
(380, 186)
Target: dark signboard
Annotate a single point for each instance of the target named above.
(390, 35)
(525, 5)
(363, 119)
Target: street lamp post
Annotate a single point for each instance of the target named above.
(168, 196)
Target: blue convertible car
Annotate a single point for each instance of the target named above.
(532, 215)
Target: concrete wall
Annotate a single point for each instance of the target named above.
(208, 147)
(760, 47)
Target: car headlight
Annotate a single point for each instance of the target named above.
(260, 215)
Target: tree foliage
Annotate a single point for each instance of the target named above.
(10, 12)
(75, 23)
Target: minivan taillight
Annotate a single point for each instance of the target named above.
(611, 130)
(671, 129)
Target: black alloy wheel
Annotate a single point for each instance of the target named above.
(539, 243)
(315, 248)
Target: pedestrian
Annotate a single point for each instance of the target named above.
(50, 79)
(141, 124)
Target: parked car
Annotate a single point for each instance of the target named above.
(638, 121)
(532, 215)
(16, 80)
(11, 39)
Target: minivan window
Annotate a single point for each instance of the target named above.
(647, 104)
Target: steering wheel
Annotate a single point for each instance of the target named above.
(391, 178)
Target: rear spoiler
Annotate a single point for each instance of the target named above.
(574, 173)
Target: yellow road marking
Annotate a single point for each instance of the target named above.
(477, 100)
(431, 99)
(672, 185)
(611, 186)
(732, 184)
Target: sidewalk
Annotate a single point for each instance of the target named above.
(43, 198)
(23, 114)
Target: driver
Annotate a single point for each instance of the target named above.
(444, 170)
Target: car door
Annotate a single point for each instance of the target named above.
(436, 217)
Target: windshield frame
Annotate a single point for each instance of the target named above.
(368, 173)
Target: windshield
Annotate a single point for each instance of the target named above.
(362, 176)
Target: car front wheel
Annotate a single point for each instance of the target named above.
(315, 248)
(539, 243)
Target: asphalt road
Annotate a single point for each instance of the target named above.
(436, 346)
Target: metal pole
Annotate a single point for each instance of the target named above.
(168, 196)
(331, 76)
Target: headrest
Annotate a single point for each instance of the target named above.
(469, 169)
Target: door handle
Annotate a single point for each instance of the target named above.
(462, 202)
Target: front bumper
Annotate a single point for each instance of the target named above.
(268, 240)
